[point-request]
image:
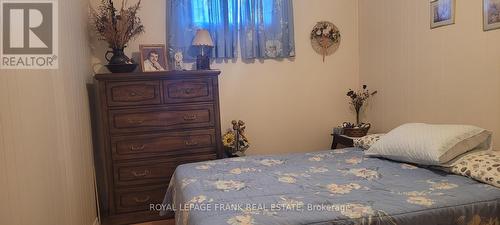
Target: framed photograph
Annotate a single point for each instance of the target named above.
(153, 58)
(491, 14)
(442, 13)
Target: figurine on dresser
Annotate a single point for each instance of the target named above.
(178, 64)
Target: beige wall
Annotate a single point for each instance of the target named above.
(446, 75)
(46, 170)
(450, 74)
(289, 105)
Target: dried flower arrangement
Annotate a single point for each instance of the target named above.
(234, 140)
(117, 27)
(358, 99)
(325, 35)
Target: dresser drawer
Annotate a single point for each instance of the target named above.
(188, 90)
(154, 172)
(165, 144)
(161, 118)
(138, 199)
(133, 93)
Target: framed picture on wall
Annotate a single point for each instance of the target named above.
(491, 14)
(442, 13)
(153, 58)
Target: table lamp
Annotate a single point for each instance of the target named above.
(203, 40)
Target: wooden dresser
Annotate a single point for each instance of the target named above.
(148, 124)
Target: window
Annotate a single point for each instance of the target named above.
(267, 9)
(206, 12)
(264, 28)
(203, 16)
(200, 12)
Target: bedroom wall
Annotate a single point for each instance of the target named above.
(445, 75)
(288, 105)
(46, 168)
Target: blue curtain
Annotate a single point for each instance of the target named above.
(267, 29)
(219, 17)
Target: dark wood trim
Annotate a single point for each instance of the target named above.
(218, 130)
(157, 75)
(106, 188)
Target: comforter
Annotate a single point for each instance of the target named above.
(333, 187)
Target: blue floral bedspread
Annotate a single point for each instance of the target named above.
(329, 187)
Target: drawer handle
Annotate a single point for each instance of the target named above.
(137, 147)
(190, 143)
(132, 94)
(135, 122)
(142, 200)
(190, 117)
(141, 174)
(188, 91)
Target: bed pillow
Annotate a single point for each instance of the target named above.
(483, 166)
(428, 144)
(367, 141)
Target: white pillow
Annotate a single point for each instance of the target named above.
(428, 144)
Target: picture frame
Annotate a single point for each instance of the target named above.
(442, 13)
(153, 58)
(491, 15)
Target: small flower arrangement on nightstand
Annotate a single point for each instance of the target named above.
(234, 140)
(357, 99)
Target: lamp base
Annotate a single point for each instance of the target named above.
(202, 62)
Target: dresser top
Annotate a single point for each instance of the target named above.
(155, 75)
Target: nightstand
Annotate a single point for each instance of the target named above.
(343, 140)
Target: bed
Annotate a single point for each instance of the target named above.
(329, 187)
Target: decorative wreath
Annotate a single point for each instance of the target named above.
(325, 38)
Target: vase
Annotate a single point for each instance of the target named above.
(118, 57)
(119, 62)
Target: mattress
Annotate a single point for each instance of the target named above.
(329, 187)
